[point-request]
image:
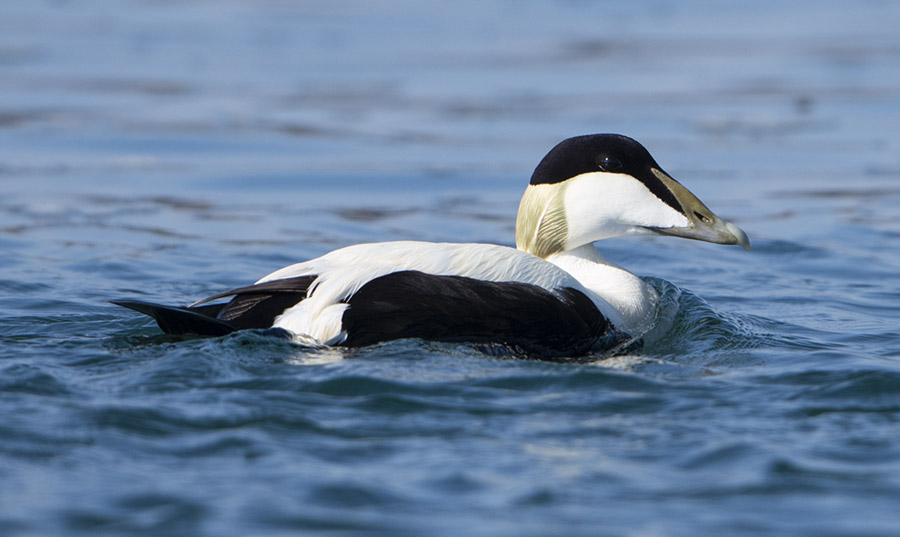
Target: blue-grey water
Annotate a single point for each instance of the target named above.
(166, 150)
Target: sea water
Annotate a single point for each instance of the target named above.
(169, 150)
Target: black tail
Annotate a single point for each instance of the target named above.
(200, 321)
(254, 306)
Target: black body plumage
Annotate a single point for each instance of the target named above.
(460, 309)
(412, 304)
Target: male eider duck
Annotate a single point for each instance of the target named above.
(553, 295)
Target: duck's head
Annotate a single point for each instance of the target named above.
(601, 186)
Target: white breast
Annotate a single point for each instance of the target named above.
(634, 301)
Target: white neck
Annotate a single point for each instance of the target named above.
(634, 300)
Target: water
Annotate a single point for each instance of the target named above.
(168, 150)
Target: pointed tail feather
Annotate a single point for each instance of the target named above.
(181, 321)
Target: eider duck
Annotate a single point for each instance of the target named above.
(553, 295)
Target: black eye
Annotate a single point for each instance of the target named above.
(610, 164)
(703, 218)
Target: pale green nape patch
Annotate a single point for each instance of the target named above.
(541, 227)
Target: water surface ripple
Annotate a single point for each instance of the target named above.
(169, 150)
